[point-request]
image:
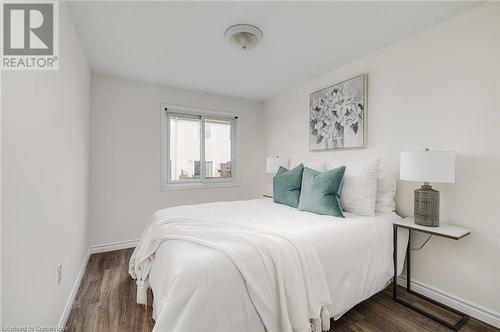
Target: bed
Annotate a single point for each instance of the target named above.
(196, 288)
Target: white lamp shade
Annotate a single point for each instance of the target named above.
(273, 164)
(428, 166)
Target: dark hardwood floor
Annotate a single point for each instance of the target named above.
(106, 302)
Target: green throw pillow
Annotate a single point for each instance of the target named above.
(321, 191)
(286, 186)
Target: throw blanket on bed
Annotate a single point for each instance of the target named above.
(282, 273)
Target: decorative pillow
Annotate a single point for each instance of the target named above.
(359, 191)
(286, 186)
(386, 191)
(321, 191)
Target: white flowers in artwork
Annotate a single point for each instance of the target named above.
(331, 113)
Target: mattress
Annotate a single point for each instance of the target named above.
(355, 253)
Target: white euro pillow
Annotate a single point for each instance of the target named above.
(386, 192)
(359, 190)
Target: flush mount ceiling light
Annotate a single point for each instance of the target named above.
(243, 36)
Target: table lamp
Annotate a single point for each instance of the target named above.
(427, 166)
(273, 164)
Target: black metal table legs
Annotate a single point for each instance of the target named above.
(463, 317)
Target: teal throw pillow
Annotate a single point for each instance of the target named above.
(321, 191)
(286, 186)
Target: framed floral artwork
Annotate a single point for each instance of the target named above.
(337, 116)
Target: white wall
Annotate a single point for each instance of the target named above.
(126, 166)
(439, 89)
(45, 183)
(1, 202)
(498, 154)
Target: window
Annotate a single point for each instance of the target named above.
(184, 152)
(208, 131)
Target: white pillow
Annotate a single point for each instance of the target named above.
(386, 192)
(317, 165)
(359, 191)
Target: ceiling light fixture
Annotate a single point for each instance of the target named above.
(243, 36)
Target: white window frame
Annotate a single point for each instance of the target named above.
(203, 182)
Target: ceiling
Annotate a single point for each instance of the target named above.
(182, 44)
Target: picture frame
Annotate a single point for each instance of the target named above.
(338, 115)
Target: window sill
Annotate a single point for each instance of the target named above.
(195, 186)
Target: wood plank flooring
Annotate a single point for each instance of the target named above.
(106, 303)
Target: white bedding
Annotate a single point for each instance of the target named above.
(199, 289)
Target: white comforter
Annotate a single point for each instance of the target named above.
(282, 272)
(197, 288)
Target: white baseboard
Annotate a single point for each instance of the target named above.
(74, 291)
(469, 308)
(113, 246)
